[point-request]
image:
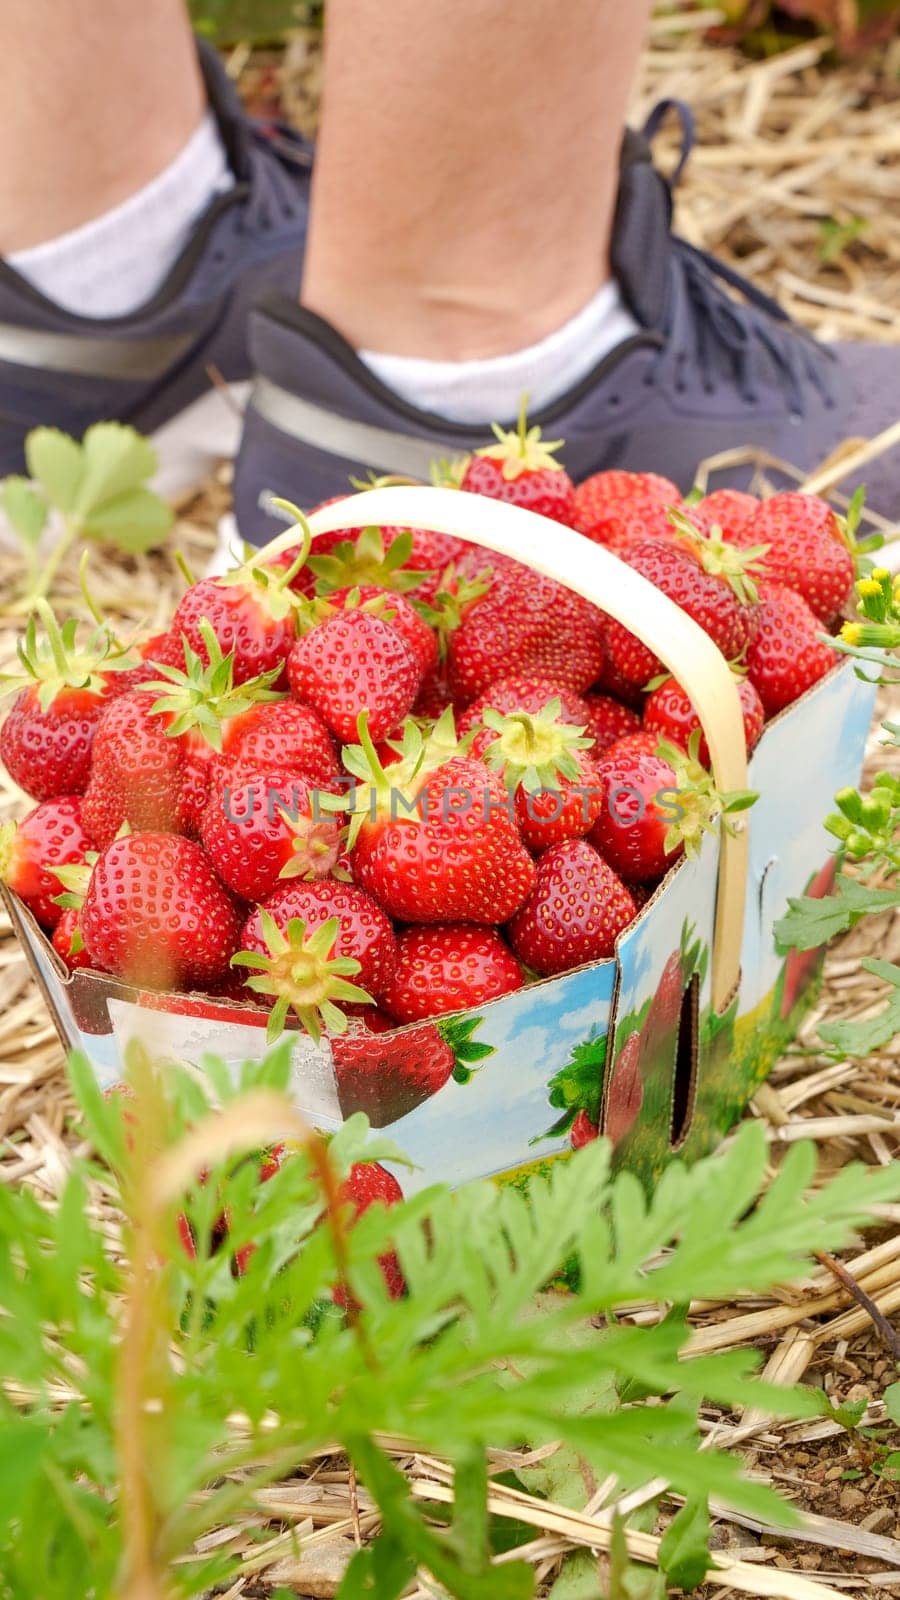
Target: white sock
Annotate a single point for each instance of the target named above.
(482, 391)
(116, 262)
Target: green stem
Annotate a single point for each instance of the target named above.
(39, 587)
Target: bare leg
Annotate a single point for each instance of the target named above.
(97, 99)
(467, 169)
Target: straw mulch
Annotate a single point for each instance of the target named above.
(784, 149)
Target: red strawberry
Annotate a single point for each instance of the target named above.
(47, 736)
(640, 743)
(708, 579)
(730, 510)
(618, 489)
(252, 612)
(393, 608)
(156, 914)
(583, 1131)
(282, 734)
(68, 941)
(52, 835)
(525, 625)
(387, 1075)
(445, 849)
(521, 468)
(449, 967)
(263, 824)
(367, 1184)
(160, 650)
(306, 939)
(609, 720)
(575, 912)
(660, 1028)
(355, 662)
(807, 550)
(434, 694)
(626, 1090)
(525, 694)
(787, 656)
(670, 713)
(544, 760)
(633, 823)
(153, 758)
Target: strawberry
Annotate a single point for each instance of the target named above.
(47, 736)
(525, 625)
(153, 758)
(156, 915)
(262, 824)
(787, 656)
(575, 912)
(583, 1131)
(355, 662)
(626, 1090)
(68, 941)
(367, 1184)
(807, 550)
(669, 712)
(396, 610)
(449, 967)
(641, 742)
(160, 650)
(708, 579)
(605, 494)
(608, 720)
(544, 760)
(306, 940)
(521, 468)
(639, 796)
(282, 734)
(525, 694)
(252, 613)
(660, 1027)
(387, 1075)
(442, 849)
(729, 510)
(50, 836)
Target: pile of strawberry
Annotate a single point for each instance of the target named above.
(389, 776)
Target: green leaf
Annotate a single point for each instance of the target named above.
(135, 521)
(57, 463)
(861, 1038)
(810, 922)
(116, 460)
(23, 1445)
(684, 1547)
(891, 1398)
(26, 510)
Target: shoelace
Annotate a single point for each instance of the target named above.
(739, 329)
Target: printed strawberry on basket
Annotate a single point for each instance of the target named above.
(452, 784)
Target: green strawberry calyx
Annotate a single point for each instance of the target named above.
(75, 879)
(446, 611)
(468, 1052)
(201, 696)
(57, 661)
(271, 585)
(365, 560)
(522, 449)
(316, 846)
(533, 750)
(392, 795)
(701, 806)
(739, 567)
(303, 974)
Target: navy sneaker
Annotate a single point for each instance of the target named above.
(148, 366)
(707, 372)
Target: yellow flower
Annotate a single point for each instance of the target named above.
(850, 632)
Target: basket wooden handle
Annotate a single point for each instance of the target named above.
(602, 578)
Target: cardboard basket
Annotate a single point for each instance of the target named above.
(664, 1044)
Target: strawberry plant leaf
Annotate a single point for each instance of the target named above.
(810, 922)
(861, 1038)
(25, 509)
(56, 462)
(135, 521)
(116, 459)
(891, 1398)
(684, 1547)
